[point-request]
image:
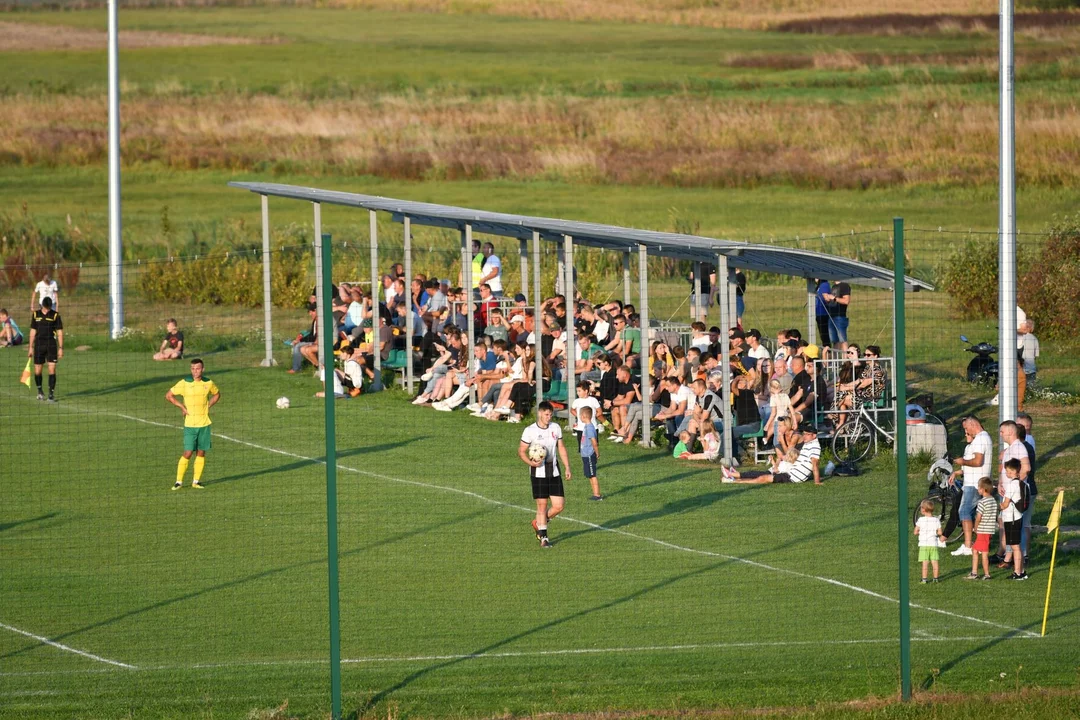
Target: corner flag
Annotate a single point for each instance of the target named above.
(1055, 514)
(1052, 526)
(25, 379)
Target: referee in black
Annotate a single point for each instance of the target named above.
(46, 345)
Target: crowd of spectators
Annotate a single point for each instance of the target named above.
(773, 392)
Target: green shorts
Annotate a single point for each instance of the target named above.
(929, 553)
(196, 438)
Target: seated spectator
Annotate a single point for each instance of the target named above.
(496, 328)
(682, 447)
(710, 448)
(681, 402)
(304, 347)
(602, 327)
(339, 388)
(754, 347)
(626, 407)
(700, 337)
(356, 371)
(449, 355)
(484, 307)
(520, 372)
(761, 385)
(419, 294)
(869, 380)
(614, 342)
(10, 334)
(804, 467)
(779, 408)
(631, 335)
(681, 367)
(802, 388)
(172, 347)
(436, 298)
(584, 399)
(747, 417)
(781, 374)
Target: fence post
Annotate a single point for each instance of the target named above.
(321, 303)
(327, 342)
(268, 306)
(376, 291)
(903, 523)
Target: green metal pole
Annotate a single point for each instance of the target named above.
(331, 477)
(903, 526)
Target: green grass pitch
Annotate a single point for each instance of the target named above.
(121, 598)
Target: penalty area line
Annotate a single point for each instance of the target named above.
(624, 533)
(67, 648)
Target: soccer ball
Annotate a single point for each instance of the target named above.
(282, 403)
(536, 452)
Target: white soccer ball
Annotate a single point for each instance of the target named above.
(536, 452)
(282, 403)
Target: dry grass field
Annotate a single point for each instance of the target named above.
(16, 37)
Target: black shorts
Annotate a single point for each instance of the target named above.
(44, 353)
(588, 464)
(1013, 531)
(545, 487)
(18, 340)
(781, 478)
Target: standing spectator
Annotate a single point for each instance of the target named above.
(840, 298)
(583, 400)
(46, 344)
(491, 269)
(928, 530)
(547, 483)
(740, 296)
(46, 288)
(1013, 449)
(1023, 421)
(986, 513)
(172, 347)
(975, 464)
(821, 309)
(1013, 520)
(10, 334)
(1029, 351)
(590, 451)
(708, 277)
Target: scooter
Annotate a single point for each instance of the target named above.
(983, 369)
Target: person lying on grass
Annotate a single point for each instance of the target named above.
(806, 464)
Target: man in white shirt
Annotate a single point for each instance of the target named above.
(805, 467)
(1014, 449)
(46, 288)
(682, 404)
(757, 350)
(491, 270)
(974, 465)
(547, 482)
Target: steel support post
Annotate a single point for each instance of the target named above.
(646, 346)
(409, 329)
(723, 275)
(376, 294)
(268, 299)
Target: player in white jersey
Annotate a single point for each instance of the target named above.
(547, 482)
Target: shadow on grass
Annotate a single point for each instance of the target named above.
(17, 523)
(321, 460)
(263, 574)
(136, 384)
(652, 483)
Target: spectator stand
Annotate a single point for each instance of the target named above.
(789, 262)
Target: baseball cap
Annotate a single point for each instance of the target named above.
(808, 427)
(754, 333)
(517, 319)
(520, 298)
(812, 351)
(793, 344)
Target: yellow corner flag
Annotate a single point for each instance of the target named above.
(1053, 525)
(25, 380)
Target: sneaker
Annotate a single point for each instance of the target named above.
(420, 400)
(985, 577)
(934, 580)
(545, 543)
(441, 406)
(426, 376)
(41, 396)
(925, 581)
(197, 486)
(962, 550)
(617, 439)
(993, 401)
(596, 497)
(940, 543)
(536, 528)
(727, 479)
(727, 472)
(51, 398)
(177, 486)
(971, 576)
(503, 411)
(472, 407)
(1021, 576)
(514, 419)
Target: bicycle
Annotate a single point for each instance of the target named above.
(857, 437)
(944, 496)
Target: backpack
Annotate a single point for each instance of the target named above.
(1025, 497)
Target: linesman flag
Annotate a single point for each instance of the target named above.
(25, 380)
(1055, 514)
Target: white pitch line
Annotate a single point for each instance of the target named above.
(646, 538)
(67, 648)
(523, 654)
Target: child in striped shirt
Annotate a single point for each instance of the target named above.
(986, 512)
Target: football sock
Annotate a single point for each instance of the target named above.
(52, 383)
(200, 462)
(542, 531)
(37, 379)
(181, 468)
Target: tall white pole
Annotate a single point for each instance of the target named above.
(116, 253)
(268, 304)
(409, 330)
(1007, 400)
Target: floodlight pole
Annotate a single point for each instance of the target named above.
(268, 306)
(116, 253)
(1007, 399)
(900, 403)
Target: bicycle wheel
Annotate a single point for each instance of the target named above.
(852, 441)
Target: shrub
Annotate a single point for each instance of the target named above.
(1050, 291)
(970, 277)
(27, 251)
(227, 280)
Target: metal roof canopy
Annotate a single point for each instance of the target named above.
(751, 256)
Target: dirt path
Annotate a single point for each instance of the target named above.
(29, 37)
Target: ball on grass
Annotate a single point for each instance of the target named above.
(282, 403)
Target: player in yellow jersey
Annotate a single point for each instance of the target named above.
(200, 394)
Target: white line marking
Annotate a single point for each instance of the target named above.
(624, 533)
(67, 648)
(524, 654)
(662, 543)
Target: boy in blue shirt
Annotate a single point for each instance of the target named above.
(590, 450)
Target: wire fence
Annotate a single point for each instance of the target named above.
(120, 594)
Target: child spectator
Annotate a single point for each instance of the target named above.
(986, 512)
(584, 400)
(681, 450)
(10, 334)
(172, 347)
(710, 447)
(590, 449)
(1012, 518)
(928, 530)
(787, 462)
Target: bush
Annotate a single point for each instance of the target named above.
(1050, 291)
(970, 277)
(27, 251)
(228, 280)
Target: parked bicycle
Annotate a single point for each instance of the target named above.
(858, 438)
